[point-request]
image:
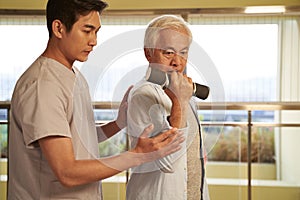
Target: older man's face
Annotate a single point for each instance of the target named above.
(171, 50)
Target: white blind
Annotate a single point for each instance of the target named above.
(287, 84)
(290, 59)
(22, 20)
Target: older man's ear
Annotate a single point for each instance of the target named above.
(148, 54)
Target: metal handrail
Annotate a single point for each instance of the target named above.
(246, 106)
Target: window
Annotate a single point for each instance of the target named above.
(16, 58)
(244, 57)
(238, 62)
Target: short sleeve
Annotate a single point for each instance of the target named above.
(44, 111)
(148, 104)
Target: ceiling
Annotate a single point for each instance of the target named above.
(140, 6)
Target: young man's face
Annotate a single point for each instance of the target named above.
(79, 42)
(171, 50)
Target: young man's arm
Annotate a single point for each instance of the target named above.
(71, 172)
(108, 130)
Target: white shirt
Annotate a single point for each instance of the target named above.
(164, 179)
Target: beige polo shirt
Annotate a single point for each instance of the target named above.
(49, 100)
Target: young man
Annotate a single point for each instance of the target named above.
(53, 152)
(179, 176)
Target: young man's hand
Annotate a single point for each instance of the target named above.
(122, 114)
(159, 146)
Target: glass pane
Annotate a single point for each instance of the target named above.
(3, 140)
(232, 145)
(247, 51)
(245, 56)
(17, 58)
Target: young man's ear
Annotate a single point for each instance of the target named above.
(57, 28)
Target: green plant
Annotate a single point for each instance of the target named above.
(112, 146)
(3, 141)
(232, 146)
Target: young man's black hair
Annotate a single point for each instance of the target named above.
(67, 11)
